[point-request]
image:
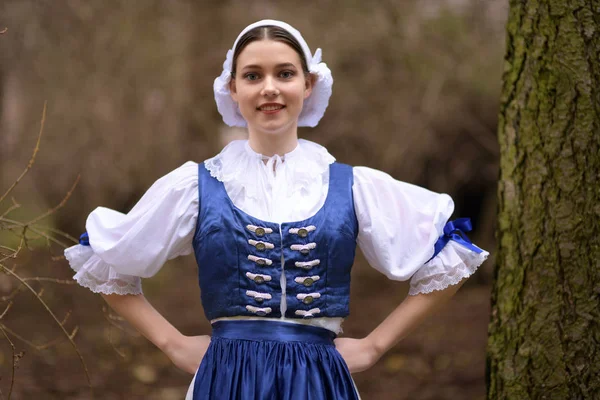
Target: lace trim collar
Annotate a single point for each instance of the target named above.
(240, 166)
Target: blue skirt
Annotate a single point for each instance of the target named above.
(272, 360)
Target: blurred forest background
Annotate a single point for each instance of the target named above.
(129, 93)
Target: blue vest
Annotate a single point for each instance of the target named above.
(240, 257)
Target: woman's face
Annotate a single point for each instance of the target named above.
(270, 86)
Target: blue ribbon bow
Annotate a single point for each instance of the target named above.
(455, 230)
(84, 239)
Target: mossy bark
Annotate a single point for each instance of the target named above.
(544, 338)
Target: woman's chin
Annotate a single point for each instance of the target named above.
(272, 127)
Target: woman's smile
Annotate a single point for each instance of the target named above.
(270, 108)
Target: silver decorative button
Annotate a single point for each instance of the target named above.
(308, 300)
(305, 251)
(308, 282)
(261, 261)
(302, 232)
(260, 232)
(261, 313)
(259, 279)
(260, 246)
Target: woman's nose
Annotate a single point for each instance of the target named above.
(269, 89)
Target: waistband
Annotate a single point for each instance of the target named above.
(272, 331)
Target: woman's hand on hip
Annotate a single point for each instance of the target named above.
(359, 354)
(187, 351)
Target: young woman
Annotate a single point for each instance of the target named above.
(274, 222)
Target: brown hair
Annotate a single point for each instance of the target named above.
(270, 32)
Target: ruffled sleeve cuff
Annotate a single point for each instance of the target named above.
(97, 275)
(451, 265)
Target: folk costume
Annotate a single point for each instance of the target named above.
(275, 239)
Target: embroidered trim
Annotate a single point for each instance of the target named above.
(301, 279)
(309, 313)
(113, 286)
(121, 284)
(258, 295)
(258, 244)
(254, 228)
(237, 167)
(307, 264)
(258, 310)
(252, 276)
(451, 277)
(259, 260)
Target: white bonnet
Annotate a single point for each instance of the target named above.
(314, 106)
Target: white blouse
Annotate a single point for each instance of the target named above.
(399, 223)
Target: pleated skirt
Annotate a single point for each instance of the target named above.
(271, 360)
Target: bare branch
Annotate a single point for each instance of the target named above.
(15, 253)
(8, 306)
(61, 204)
(43, 303)
(40, 347)
(32, 160)
(112, 344)
(12, 294)
(21, 338)
(11, 208)
(2, 32)
(53, 280)
(36, 230)
(12, 375)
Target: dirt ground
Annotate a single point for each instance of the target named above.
(443, 359)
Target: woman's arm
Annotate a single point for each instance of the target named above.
(360, 354)
(186, 352)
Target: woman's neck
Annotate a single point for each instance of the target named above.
(269, 145)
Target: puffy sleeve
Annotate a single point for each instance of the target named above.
(405, 234)
(123, 248)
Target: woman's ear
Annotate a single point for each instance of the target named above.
(309, 83)
(233, 89)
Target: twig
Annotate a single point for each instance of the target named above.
(17, 277)
(12, 375)
(59, 232)
(3, 31)
(12, 294)
(11, 208)
(39, 347)
(6, 309)
(21, 338)
(14, 253)
(112, 344)
(35, 150)
(17, 224)
(53, 280)
(61, 204)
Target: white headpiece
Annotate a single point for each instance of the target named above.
(314, 106)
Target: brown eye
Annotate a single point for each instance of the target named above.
(251, 76)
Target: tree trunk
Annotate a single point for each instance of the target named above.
(544, 331)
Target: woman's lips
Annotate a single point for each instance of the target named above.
(271, 108)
